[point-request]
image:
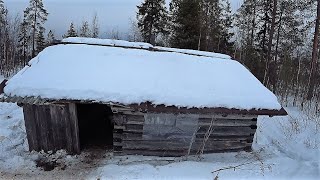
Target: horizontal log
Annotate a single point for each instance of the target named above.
(137, 137)
(119, 119)
(118, 135)
(176, 145)
(249, 132)
(170, 153)
(135, 122)
(227, 130)
(133, 113)
(134, 126)
(119, 127)
(226, 138)
(138, 116)
(226, 122)
(154, 153)
(118, 153)
(227, 116)
(135, 118)
(117, 148)
(118, 144)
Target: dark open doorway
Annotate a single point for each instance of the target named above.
(95, 126)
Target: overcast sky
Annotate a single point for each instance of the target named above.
(113, 14)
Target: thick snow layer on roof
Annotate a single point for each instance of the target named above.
(120, 75)
(112, 42)
(107, 42)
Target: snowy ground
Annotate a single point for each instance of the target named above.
(284, 148)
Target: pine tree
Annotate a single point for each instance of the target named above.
(226, 34)
(152, 18)
(24, 40)
(85, 30)
(3, 13)
(186, 29)
(315, 54)
(215, 26)
(50, 38)
(270, 35)
(35, 16)
(95, 26)
(40, 40)
(71, 31)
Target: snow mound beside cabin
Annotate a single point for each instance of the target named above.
(13, 142)
(122, 75)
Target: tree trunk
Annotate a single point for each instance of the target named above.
(253, 23)
(274, 13)
(199, 41)
(312, 79)
(34, 32)
(274, 83)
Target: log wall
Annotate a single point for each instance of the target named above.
(52, 127)
(228, 134)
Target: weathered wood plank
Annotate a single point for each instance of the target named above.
(170, 153)
(176, 145)
(119, 119)
(59, 118)
(56, 126)
(74, 128)
(227, 130)
(31, 128)
(230, 133)
(49, 127)
(133, 113)
(159, 153)
(226, 122)
(118, 135)
(227, 116)
(68, 130)
(225, 137)
(218, 131)
(128, 137)
(119, 127)
(135, 122)
(41, 119)
(135, 118)
(134, 126)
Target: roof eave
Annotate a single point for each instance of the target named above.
(149, 107)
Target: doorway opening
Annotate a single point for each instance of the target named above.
(95, 126)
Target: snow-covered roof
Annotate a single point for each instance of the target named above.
(106, 42)
(127, 76)
(140, 45)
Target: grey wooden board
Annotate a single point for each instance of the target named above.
(31, 129)
(52, 127)
(170, 153)
(74, 128)
(173, 145)
(226, 122)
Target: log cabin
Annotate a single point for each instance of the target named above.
(138, 99)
